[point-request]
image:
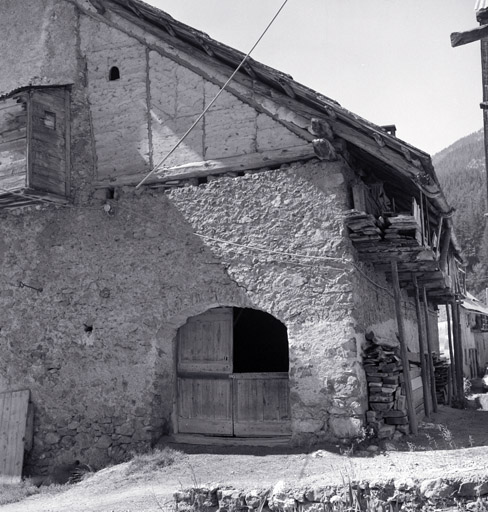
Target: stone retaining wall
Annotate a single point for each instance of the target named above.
(372, 496)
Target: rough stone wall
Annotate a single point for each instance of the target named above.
(377, 313)
(298, 210)
(32, 31)
(401, 494)
(95, 347)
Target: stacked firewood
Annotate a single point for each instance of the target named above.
(363, 226)
(402, 228)
(387, 402)
(441, 372)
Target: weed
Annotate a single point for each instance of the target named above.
(149, 462)
(432, 441)
(447, 436)
(11, 493)
(471, 441)
(364, 436)
(411, 446)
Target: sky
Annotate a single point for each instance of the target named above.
(389, 61)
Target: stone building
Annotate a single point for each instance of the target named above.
(230, 294)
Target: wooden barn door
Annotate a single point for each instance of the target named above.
(261, 404)
(211, 398)
(204, 367)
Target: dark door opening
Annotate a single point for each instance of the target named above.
(260, 342)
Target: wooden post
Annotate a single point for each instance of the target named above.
(445, 247)
(484, 75)
(429, 353)
(451, 388)
(458, 355)
(479, 34)
(423, 366)
(412, 417)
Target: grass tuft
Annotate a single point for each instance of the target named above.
(148, 462)
(12, 493)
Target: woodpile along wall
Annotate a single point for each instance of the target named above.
(387, 411)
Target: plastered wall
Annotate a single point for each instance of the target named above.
(157, 98)
(38, 43)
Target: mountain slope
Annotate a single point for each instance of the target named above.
(461, 172)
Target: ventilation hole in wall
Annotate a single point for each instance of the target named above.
(88, 328)
(114, 73)
(203, 180)
(49, 120)
(110, 193)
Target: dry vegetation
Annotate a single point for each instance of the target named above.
(454, 443)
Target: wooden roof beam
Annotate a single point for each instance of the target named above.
(470, 36)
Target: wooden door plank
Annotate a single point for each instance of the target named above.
(261, 406)
(14, 407)
(205, 342)
(205, 406)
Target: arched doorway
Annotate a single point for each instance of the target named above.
(232, 374)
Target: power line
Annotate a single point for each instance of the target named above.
(200, 117)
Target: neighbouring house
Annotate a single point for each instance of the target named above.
(473, 321)
(235, 293)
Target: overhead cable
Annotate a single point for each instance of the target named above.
(200, 117)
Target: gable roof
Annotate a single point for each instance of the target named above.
(369, 139)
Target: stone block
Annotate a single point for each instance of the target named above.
(308, 426)
(386, 431)
(472, 489)
(125, 430)
(372, 416)
(345, 427)
(436, 489)
(404, 429)
(52, 438)
(311, 507)
(377, 406)
(253, 499)
(103, 442)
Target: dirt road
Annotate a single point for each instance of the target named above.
(458, 449)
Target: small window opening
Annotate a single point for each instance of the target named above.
(50, 120)
(110, 193)
(114, 73)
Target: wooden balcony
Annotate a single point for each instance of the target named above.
(400, 238)
(34, 147)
